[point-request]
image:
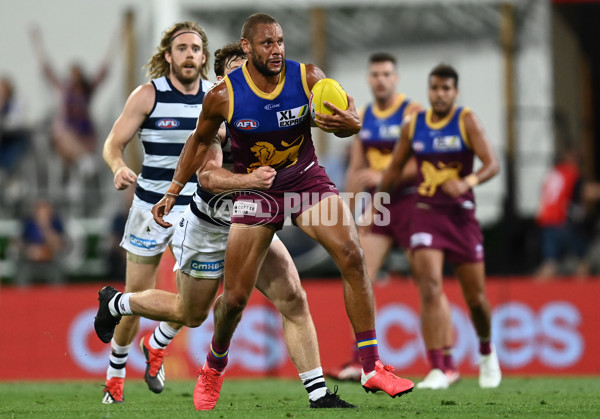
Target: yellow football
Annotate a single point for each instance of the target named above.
(327, 90)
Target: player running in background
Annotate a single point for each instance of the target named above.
(265, 105)
(370, 154)
(444, 139)
(199, 247)
(163, 112)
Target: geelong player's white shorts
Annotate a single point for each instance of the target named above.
(199, 246)
(143, 236)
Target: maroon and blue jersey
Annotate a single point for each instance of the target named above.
(380, 131)
(443, 152)
(271, 129)
(379, 134)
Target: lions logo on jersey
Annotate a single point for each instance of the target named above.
(268, 155)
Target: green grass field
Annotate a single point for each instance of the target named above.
(577, 397)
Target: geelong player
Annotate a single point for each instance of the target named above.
(265, 105)
(444, 139)
(163, 112)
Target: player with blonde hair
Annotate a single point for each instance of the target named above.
(163, 112)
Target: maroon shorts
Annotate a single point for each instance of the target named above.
(274, 207)
(454, 230)
(400, 209)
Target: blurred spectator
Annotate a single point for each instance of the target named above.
(73, 132)
(562, 217)
(42, 246)
(14, 139)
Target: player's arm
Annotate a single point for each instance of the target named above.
(391, 175)
(134, 113)
(214, 111)
(483, 150)
(412, 108)
(399, 168)
(216, 179)
(344, 123)
(357, 163)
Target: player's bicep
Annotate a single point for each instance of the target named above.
(313, 75)
(134, 113)
(214, 110)
(478, 139)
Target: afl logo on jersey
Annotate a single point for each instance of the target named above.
(418, 146)
(246, 124)
(167, 123)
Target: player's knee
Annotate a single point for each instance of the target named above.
(234, 304)
(430, 291)
(293, 304)
(194, 319)
(476, 301)
(351, 257)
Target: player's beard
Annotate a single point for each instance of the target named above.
(441, 113)
(178, 72)
(263, 68)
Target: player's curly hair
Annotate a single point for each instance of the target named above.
(158, 66)
(225, 55)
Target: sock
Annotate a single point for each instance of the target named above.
(436, 358)
(162, 336)
(118, 359)
(368, 350)
(119, 304)
(314, 383)
(218, 356)
(448, 360)
(485, 346)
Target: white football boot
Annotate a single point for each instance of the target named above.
(435, 380)
(489, 370)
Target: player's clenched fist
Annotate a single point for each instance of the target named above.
(263, 177)
(124, 177)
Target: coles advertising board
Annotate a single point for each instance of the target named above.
(538, 328)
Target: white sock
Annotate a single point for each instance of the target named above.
(119, 304)
(162, 336)
(314, 383)
(118, 359)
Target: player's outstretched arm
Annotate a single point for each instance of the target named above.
(136, 109)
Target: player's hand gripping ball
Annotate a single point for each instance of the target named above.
(327, 90)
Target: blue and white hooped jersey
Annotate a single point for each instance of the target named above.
(215, 209)
(163, 135)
